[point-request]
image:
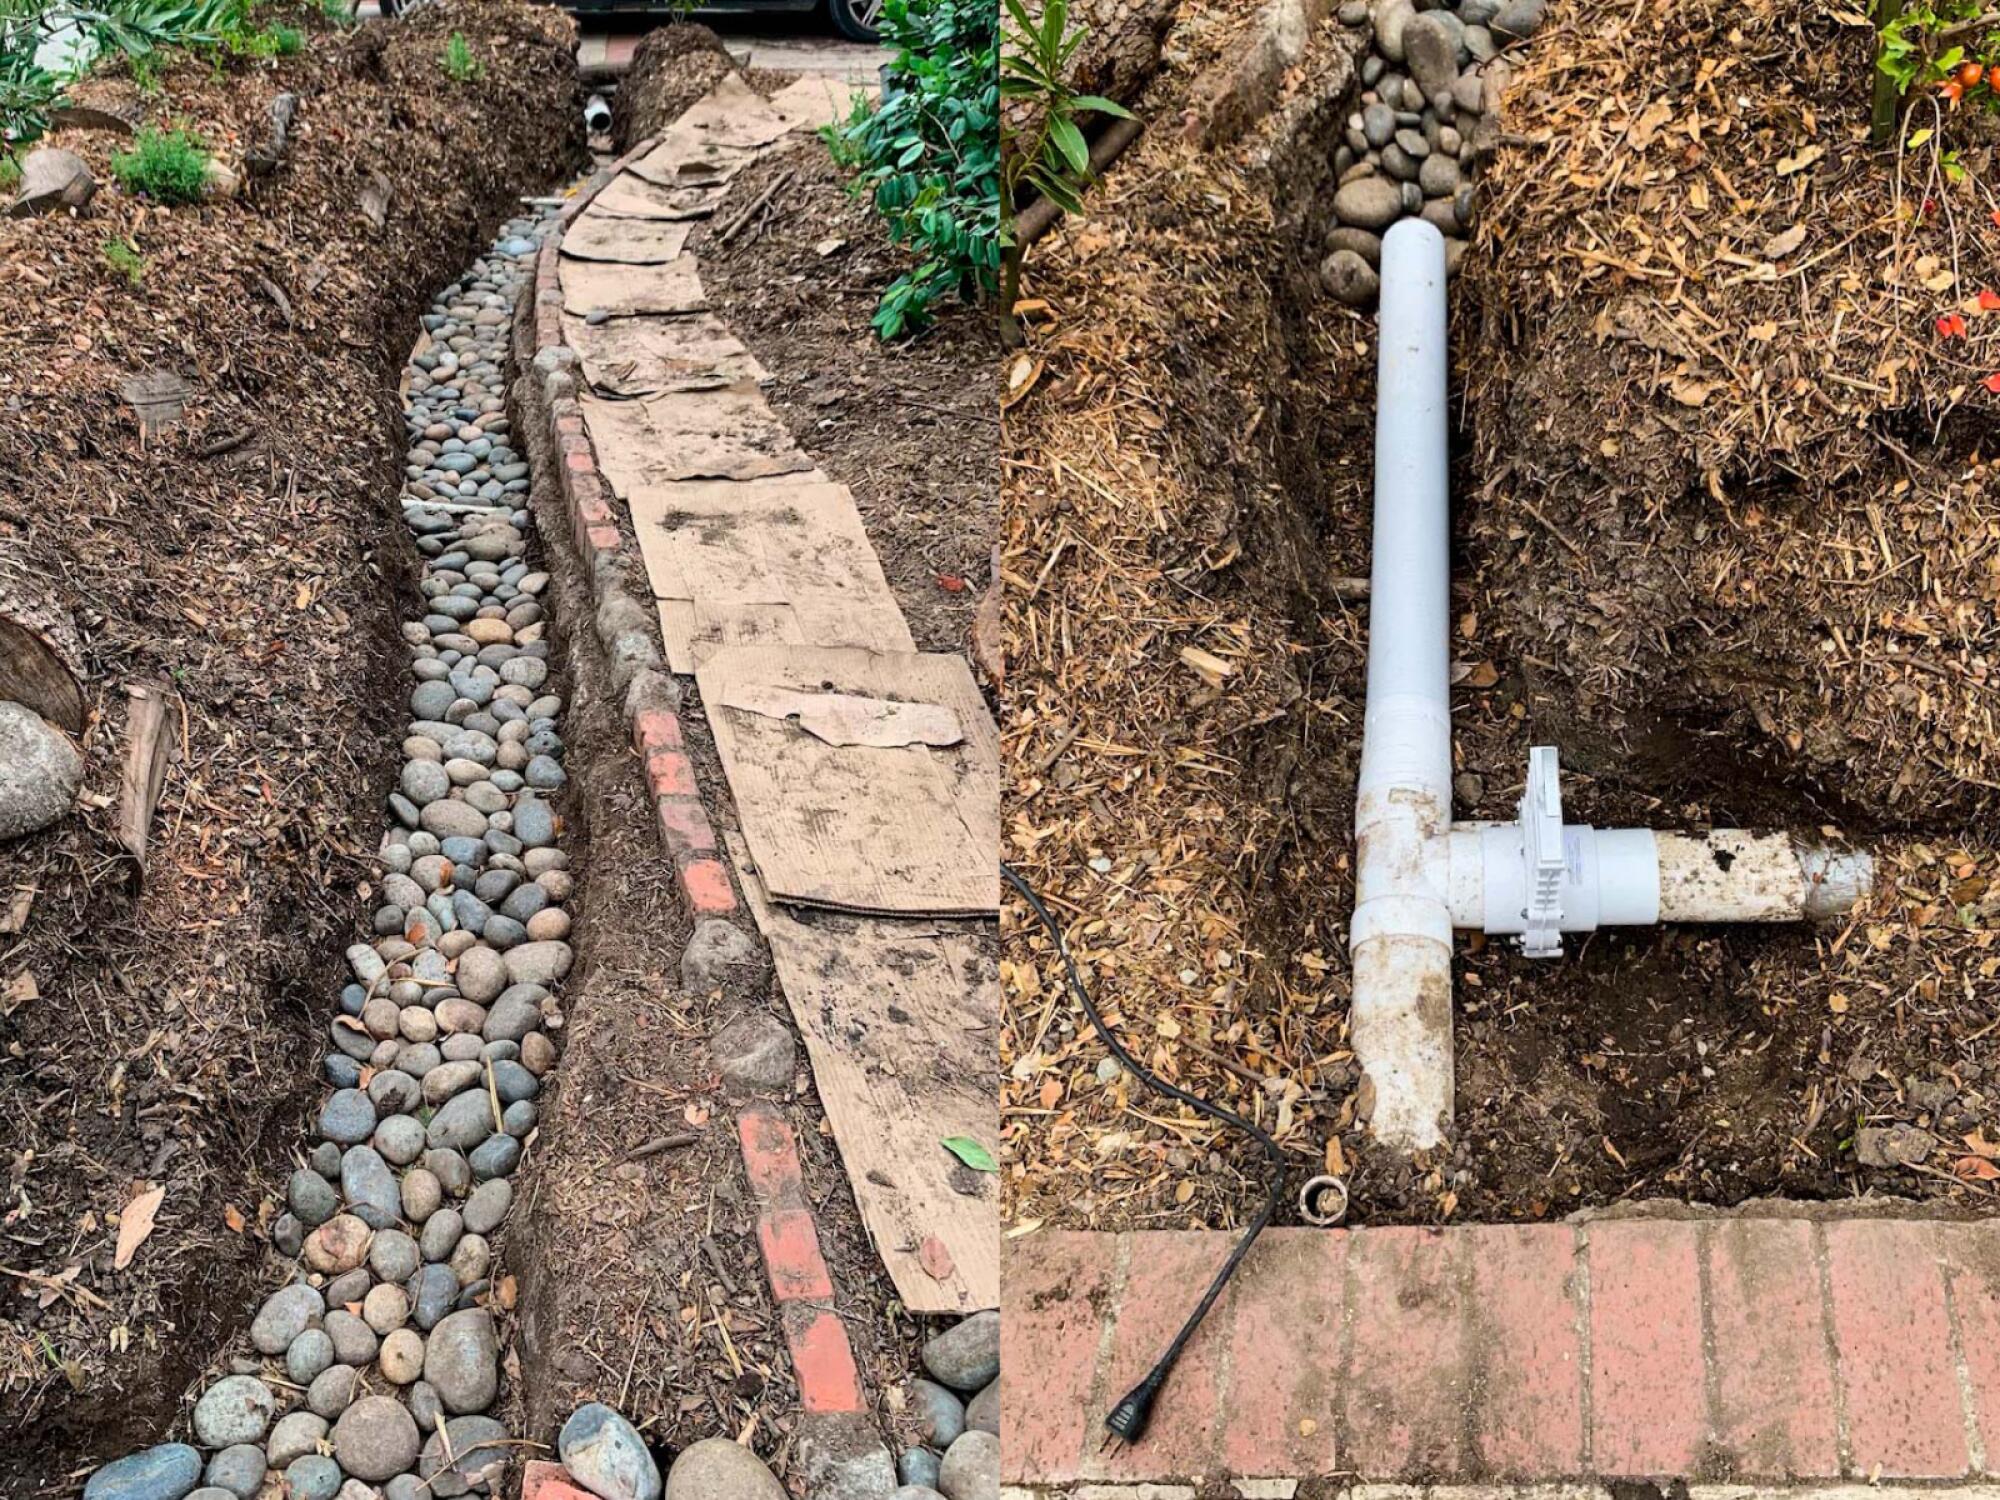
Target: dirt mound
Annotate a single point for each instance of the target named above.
(674, 66)
(1188, 492)
(249, 555)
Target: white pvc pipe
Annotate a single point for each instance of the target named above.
(1400, 1018)
(1416, 876)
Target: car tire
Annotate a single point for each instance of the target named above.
(856, 19)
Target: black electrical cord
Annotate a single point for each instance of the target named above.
(1127, 1420)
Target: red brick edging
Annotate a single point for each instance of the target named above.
(1743, 1348)
(801, 1284)
(685, 829)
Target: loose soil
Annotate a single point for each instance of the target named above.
(1734, 586)
(251, 556)
(910, 427)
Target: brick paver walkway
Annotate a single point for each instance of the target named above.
(1759, 1348)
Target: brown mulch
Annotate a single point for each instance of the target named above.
(673, 67)
(1188, 484)
(910, 427)
(173, 1039)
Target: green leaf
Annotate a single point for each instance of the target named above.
(969, 1151)
(1069, 140)
(1102, 105)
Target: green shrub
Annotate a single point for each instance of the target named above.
(124, 258)
(338, 12)
(275, 40)
(928, 155)
(460, 66)
(168, 166)
(10, 172)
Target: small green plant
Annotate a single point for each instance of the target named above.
(123, 257)
(275, 40)
(460, 66)
(169, 166)
(1951, 47)
(10, 172)
(927, 156)
(338, 12)
(1050, 158)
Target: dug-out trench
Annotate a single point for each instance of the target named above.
(1709, 1066)
(178, 1035)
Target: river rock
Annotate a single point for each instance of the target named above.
(347, 1117)
(1392, 17)
(756, 1051)
(294, 1436)
(51, 180)
(313, 1477)
(338, 1245)
(462, 1361)
(1370, 203)
(482, 975)
(982, 1412)
(718, 1469)
(286, 1313)
(463, 1121)
(966, 1357)
(1517, 20)
(488, 1205)
(971, 1468)
(166, 1472)
(236, 1409)
(480, 1451)
(605, 1454)
(376, 1438)
(1350, 279)
(311, 1352)
(538, 963)
(402, 1356)
(237, 1471)
(1430, 44)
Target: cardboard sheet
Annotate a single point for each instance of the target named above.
(647, 356)
(901, 1024)
(912, 829)
(630, 197)
(781, 560)
(727, 433)
(635, 242)
(626, 291)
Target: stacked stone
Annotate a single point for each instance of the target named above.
(1428, 116)
(958, 1415)
(373, 1371)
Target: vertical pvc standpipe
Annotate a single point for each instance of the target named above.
(1400, 1020)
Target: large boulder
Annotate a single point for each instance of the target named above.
(40, 771)
(51, 180)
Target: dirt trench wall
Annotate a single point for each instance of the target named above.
(1705, 352)
(250, 556)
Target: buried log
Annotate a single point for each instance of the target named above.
(41, 655)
